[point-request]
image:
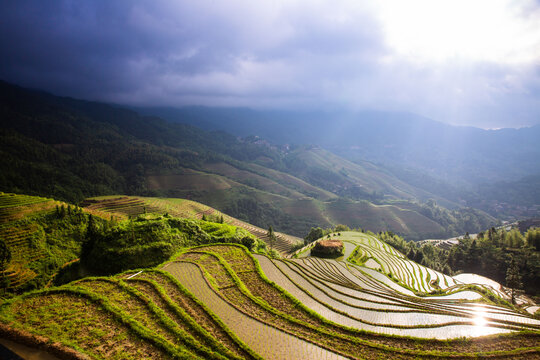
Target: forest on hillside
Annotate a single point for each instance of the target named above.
(71, 149)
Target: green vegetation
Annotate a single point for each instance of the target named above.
(70, 149)
(147, 242)
(41, 235)
(182, 313)
(43, 239)
(147, 318)
(314, 234)
(513, 278)
(490, 255)
(127, 207)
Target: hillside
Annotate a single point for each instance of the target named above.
(359, 180)
(513, 200)
(262, 180)
(220, 301)
(456, 154)
(52, 242)
(184, 280)
(41, 235)
(127, 207)
(71, 149)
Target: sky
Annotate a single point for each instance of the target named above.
(463, 62)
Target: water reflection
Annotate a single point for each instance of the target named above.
(480, 321)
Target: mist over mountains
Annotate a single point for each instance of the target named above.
(457, 154)
(71, 149)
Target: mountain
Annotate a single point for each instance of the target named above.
(456, 154)
(513, 200)
(71, 149)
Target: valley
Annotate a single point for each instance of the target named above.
(269, 180)
(206, 256)
(220, 300)
(88, 149)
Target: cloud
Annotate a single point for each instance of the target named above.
(282, 54)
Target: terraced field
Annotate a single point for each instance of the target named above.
(221, 302)
(126, 206)
(150, 316)
(330, 298)
(18, 234)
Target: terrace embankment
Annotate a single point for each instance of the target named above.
(235, 277)
(215, 302)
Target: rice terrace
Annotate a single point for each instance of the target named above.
(230, 299)
(278, 180)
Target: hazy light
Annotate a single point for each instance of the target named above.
(479, 320)
(483, 30)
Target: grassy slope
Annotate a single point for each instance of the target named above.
(39, 240)
(147, 318)
(293, 182)
(357, 214)
(126, 206)
(380, 217)
(252, 179)
(304, 212)
(369, 177)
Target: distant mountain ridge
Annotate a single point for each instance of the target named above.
(71, 149)
(466, 155)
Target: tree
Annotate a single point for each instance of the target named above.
(341, 227)
(533, 238)
(62, 212)
(248, 242)
(91, 237)
(513, 278)
(271, 237)
(314, 234)
(5, 258)
(514, 239)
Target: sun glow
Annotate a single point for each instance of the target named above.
(479, 318)
(484, 30)
(480, 322)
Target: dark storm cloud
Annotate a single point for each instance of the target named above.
(91, 47)
(296, 54)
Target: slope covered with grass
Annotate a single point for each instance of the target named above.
(131, 206)
(41, 235)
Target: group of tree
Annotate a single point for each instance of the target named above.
(248, 208)
(457, 221)
(71, 149)
(146, 242)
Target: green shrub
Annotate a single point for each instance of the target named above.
(147, 242)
